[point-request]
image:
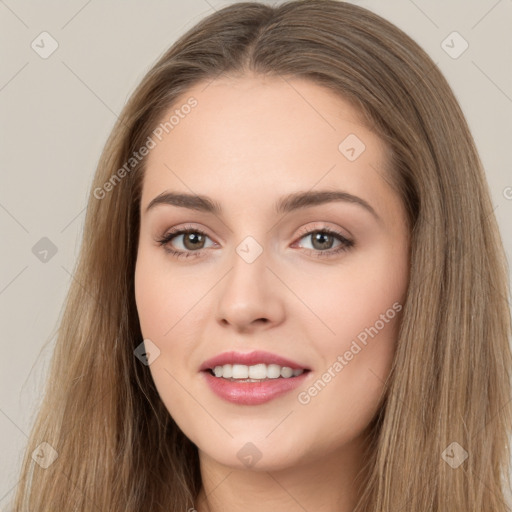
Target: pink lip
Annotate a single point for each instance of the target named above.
(250, 358)
(252, 393)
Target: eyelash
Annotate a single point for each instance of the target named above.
(164, 241)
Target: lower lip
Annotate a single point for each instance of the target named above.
(252, 393)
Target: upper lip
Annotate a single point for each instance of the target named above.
(249, 359)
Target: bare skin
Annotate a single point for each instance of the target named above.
(249, 142)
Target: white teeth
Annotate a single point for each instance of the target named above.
(240, 371)
(255, 372)
(227, 371)
(286, 372)
(273, 371)
(258, 371)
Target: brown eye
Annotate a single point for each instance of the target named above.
(193, 240)
(185, 242)
(321, 240)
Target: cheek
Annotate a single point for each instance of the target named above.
(360, 311)
(347, 299)
(162, 303)
(348, 387)
(163, 298)
(166, 301)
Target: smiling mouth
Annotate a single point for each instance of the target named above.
(254, 373)
(255, 384)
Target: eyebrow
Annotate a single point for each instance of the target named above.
(286, 204)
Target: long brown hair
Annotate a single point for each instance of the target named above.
(119, 449)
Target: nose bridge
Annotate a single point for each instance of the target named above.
(248, 273)
(247, 294)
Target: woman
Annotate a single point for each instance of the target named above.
(291, 292)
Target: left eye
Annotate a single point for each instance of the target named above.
(324, 239)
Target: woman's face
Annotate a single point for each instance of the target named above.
(273, 264)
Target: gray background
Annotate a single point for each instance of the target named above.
(57, 113)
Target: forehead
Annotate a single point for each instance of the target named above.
(254, 135)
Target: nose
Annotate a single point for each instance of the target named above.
(250, 296)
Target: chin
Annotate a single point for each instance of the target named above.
(255, 453)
